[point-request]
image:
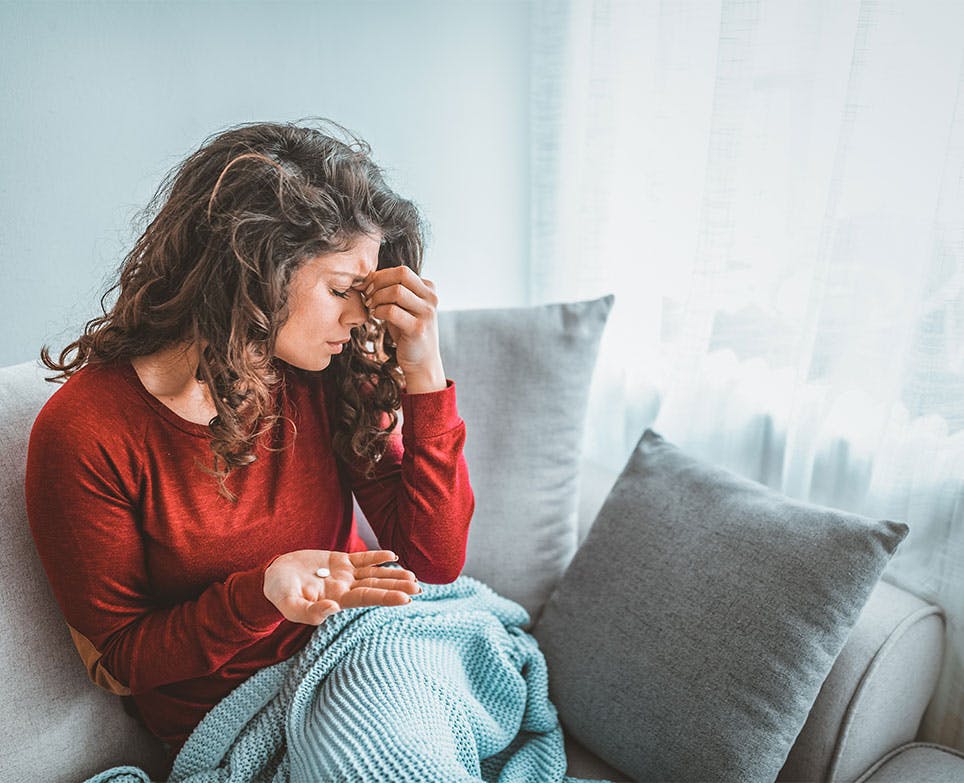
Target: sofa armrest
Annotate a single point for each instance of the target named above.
(876, 693)
(917, 761)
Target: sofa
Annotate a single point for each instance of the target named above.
(523, 377)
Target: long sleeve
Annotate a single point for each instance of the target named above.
(419, 503)
(89, 538)
(160, 577)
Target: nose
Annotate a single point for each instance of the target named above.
(354, 313)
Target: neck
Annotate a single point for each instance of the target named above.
(171, 371)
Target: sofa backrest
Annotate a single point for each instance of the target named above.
(58, 726)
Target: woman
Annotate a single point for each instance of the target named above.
(189, 488)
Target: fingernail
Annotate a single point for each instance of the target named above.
(419, 590)
(368, 290)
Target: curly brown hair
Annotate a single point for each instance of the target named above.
(230, 226)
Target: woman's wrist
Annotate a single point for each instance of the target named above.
(425, 379)
(420, 385)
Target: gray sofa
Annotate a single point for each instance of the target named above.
(58, 726)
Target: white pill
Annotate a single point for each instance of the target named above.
(322, 572)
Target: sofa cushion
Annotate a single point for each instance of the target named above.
(705, 610)
(583, 764)
(58, 725)
(918, 761)
(523, 376)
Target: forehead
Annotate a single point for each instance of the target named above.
(354, 263)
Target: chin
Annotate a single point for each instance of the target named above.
(319, 364)
(310, 363)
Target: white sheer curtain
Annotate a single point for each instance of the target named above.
(775, 193)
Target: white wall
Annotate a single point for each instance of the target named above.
(98, 100)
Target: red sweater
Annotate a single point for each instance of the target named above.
(161, 579)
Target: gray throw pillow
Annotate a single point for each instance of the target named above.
(690, 635)
(522, 376)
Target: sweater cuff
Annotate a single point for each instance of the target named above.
(250, 604)
(429, 414)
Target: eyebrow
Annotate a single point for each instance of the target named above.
(354, 279)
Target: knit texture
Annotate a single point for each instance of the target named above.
(447, 688)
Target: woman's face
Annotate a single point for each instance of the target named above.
(325, 303)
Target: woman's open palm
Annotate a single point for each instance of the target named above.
(292, 583)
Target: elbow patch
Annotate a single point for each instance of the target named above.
(91, 656)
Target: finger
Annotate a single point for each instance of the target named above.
(374, 596)
(301, 610)
(403, 585)
(379, 572)
(322, 610)
(396, 316)
(371, 558)
(403, 297)
(403, 275)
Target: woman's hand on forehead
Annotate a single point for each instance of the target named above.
(407, 304)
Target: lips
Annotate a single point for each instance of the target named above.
(337, 347)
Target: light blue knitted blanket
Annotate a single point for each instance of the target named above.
(446, 689)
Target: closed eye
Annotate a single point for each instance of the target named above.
(340, 294)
